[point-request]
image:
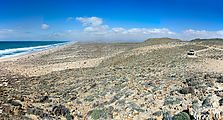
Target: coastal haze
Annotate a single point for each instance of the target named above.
(80, 60)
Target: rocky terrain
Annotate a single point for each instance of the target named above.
(151, 80)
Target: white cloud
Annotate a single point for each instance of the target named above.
(154, 31)
(69, 18)
(6, 31)
(94, 29)
(193, 34)
(118, 30)
(93, 25)
(91, 21)
(220, 32)
(45, 26)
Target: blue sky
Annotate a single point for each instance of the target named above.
(110, 20)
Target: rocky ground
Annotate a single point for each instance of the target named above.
(149, 80)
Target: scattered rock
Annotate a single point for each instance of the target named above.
(60, 110)
(221, 102)
(110, 109)
(110, 112)
(89, 98)
(95, 104)
(117, 91)
(220, 80)
(158, 113)
(187, 90)
(167, 116)
(73, 98)
(113, 99)
(151, 119)
(15, 103)
(44, 98)
(206, 102)
(171, 101)
(92, 86)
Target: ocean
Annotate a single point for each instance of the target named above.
(14, 48)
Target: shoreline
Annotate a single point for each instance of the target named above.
(33, 53)
(70, 56)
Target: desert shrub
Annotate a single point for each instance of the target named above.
(96, 114)
(181, 116)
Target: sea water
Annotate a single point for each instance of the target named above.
(14, 48)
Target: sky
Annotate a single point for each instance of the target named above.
(109, 20)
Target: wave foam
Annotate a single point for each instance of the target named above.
(7, 53)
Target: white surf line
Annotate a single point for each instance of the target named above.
(27, 53)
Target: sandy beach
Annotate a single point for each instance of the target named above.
(73, 55)
(155, 79)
